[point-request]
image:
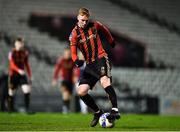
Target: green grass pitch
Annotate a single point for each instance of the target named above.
(80, 122)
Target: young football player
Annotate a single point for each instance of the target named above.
(85, 37)
(63, 72)
(18, 67)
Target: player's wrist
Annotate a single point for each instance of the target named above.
(30, 80)
(79, 63)
(21, 72)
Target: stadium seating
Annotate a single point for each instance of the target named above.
(166, 9)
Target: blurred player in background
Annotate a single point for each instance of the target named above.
(63, 72)
(85, 37)
(18, 67)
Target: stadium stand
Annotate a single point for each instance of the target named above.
(160, 8)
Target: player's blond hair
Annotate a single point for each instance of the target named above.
(84, 11)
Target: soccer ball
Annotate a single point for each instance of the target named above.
(103, 121)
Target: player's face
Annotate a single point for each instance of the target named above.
(19, 45)
(82, 21)
(67, 54)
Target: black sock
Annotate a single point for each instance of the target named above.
(112, 96)
(27, 100)
(89, 101)
(11, 103)
(3, 105)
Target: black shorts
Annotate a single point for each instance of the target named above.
(68, 85)
(16, 79)
(95, 70)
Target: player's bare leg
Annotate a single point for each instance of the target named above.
(106, 83)
(66, 95)
(82, 91)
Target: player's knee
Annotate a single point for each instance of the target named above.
(81, 91)
(66, 95)
(26, 89)
(11, 92)
(105, 81)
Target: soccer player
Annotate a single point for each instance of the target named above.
(64, 72)
(85, 37)
(18, 66)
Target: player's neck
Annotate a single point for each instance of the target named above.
(18, 49)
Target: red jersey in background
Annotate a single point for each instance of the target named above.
(18, 60)
(64, 70)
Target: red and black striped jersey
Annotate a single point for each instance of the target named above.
(88, 41)
(18, 60)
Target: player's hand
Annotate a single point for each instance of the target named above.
(79, 63)
(113, 44)
(54, 83)
(21, 72)
(30, 80)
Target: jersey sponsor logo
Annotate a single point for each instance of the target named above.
(87, 38)
(78, 35)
